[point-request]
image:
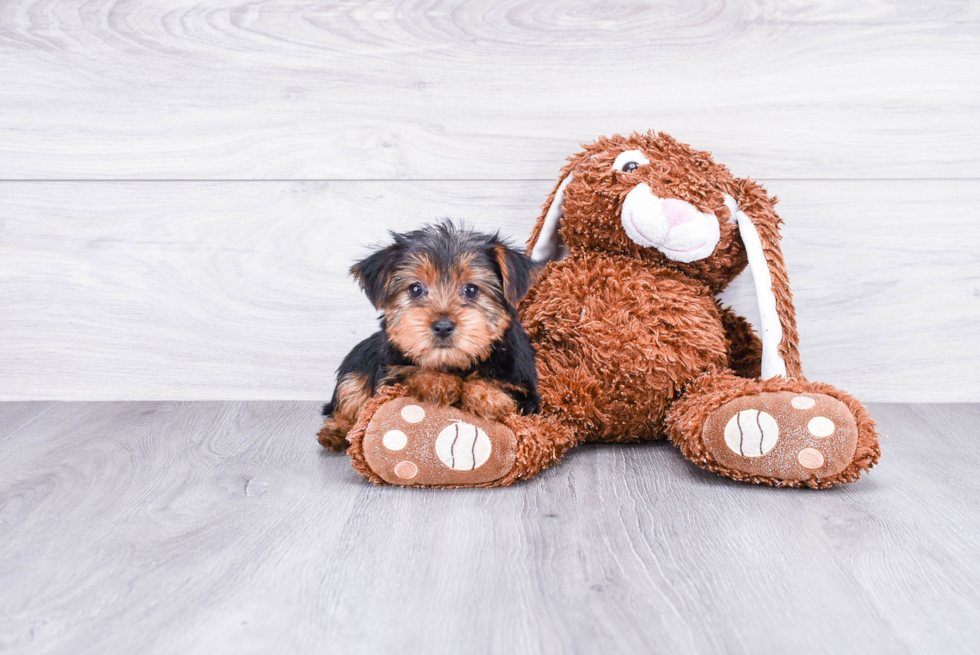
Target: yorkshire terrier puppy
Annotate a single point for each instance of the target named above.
(449, 328)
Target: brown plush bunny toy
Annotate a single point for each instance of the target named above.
(639, 235)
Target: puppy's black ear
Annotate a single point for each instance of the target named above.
(374, 272)
(517, 271)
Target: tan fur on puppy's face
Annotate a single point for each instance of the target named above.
(479, 323)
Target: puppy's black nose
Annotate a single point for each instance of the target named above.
(443, 327)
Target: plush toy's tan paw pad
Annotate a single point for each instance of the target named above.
(409, 442)
(783, 435)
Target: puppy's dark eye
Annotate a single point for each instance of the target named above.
(471, 291)
(416, 291)
(630, 166)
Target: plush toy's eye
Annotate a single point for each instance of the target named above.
(471, 291)
(629, 161)
(416, 291)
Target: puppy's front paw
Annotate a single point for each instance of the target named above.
(487, 400)
(435, 387)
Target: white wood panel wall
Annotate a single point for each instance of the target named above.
(183, 184)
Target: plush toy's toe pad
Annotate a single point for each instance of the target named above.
(783, 435)
(414, 443)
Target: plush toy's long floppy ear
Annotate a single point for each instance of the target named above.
(758, 226)
(545, 243)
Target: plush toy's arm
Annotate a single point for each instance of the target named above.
(759, 228)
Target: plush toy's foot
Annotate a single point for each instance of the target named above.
(782, 435)
(410, 442)
(779, 432)
(404, 441)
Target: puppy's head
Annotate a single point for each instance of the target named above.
(447, 293)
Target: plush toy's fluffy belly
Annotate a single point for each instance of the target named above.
(617, 340)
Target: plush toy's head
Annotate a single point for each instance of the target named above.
(649, 197)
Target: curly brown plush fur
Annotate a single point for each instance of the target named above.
(688, 415)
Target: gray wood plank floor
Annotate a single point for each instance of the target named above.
(207, 527)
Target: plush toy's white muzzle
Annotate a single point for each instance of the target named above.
(674, 227)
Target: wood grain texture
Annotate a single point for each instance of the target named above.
(240, 291)
(136, 89)
(220, 527)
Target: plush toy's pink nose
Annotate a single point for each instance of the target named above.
(678, 212)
